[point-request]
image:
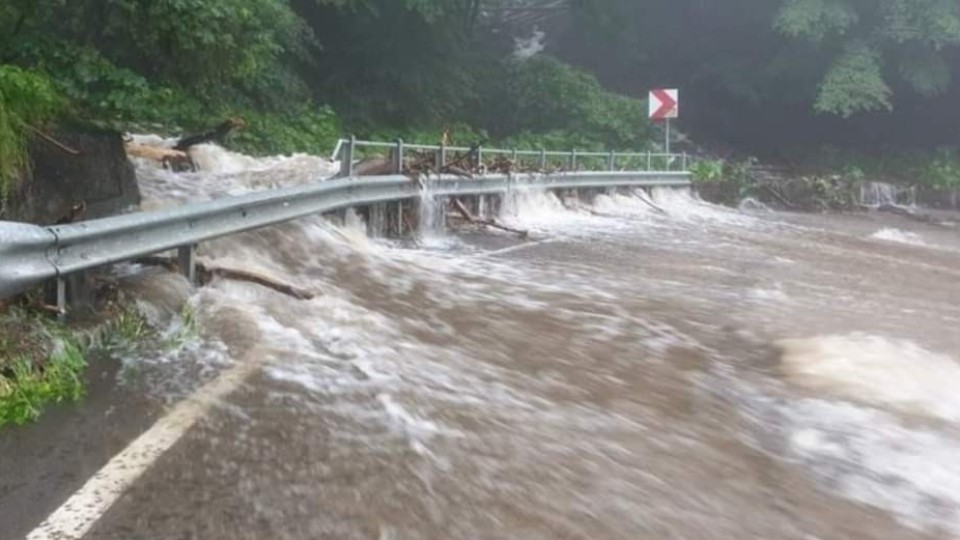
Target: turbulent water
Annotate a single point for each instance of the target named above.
(633, 370)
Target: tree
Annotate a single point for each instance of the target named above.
(917, 39)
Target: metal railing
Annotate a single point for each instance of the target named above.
(30, 254)
(347, 152)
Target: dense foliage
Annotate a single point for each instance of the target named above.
(765, 73)
(293, 69)
(757, 73)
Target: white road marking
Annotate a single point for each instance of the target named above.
(84, 508)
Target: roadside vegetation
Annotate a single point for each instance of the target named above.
(43, 361)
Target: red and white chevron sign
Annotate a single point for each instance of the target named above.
(664, 104)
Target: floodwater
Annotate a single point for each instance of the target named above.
(626, 373)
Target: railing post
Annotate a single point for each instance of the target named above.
(514, 163)
(649, 164)
(442, 156)
(187, 259)
(684, 162)
(543, 160)
(479, 157)
(612, 161)
(61, 296)
(346, 158)
(573, 160)
(398, 157)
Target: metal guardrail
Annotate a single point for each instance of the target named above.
(30, 254)
(346, 153)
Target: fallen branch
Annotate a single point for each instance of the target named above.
(485, 222)
(217, 135)
(242, 275)
(51, 140)
(208, 273)
(643, 197)
(783, 200)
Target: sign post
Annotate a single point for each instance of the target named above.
(664, 105)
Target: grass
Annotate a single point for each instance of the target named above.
(25, 389)
(42, 361)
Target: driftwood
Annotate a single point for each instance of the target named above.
(218, 134)
(777, 195)
(178, 158)
(207, 273)
(485, 222)
(651, 204)
(374, 167)
(168, 158)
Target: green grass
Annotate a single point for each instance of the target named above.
(26, 388)
(42, 361)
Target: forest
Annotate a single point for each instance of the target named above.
(872, 82)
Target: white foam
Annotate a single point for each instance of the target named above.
(895, 374)
(871, 457)
(896, 235)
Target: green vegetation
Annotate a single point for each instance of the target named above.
(300, 72)
(26, 99)
(42, 361)
(764, 74)
(304, 72)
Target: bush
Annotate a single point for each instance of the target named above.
(26, 99)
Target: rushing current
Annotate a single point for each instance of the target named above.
(625, 373)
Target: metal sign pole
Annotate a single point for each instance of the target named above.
(667, 144)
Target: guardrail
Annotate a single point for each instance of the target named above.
(30, 254)
(346, 152)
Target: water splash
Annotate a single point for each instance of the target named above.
(879, 194)
(896, 235)
(890, 373)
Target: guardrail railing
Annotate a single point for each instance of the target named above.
(30, 254)
(346, 151)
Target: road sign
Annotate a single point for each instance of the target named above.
(664, 104)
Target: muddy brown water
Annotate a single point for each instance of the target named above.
(624, 374)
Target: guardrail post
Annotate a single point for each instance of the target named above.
(187, 261)
(442, 157)
(479, 157)
(346, 158)
(514, 158)
(398, 157)
(612, 161)
(684, 162)
(648, 161)
(573, 160)
(543, 160)
(62, 295)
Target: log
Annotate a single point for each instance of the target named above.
(218, 134)
(242, 275)
(155, 153)
(207, 274)
(374, 167)
(485, 222)
(168, 158)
